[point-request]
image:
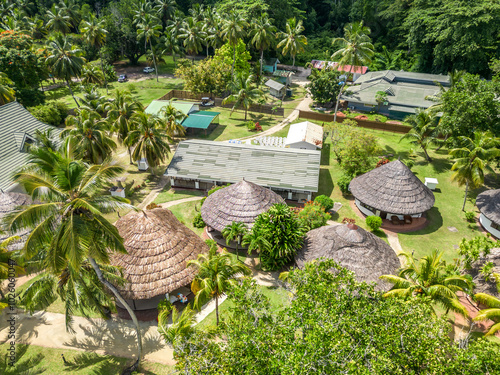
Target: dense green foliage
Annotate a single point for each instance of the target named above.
(208, 76)
(324, 201)
(53, 113)
(313, 216)
(374, 222)
(324, 85)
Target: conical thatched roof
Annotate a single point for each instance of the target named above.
(488, 203)
(241, 202)
(482, 285)
(159, 247)
(9, 202)
(393, 188)
(355, 249)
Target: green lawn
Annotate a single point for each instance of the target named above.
(170, 195)
(33, 359)
(186, 212)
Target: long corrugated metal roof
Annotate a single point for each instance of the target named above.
(288, 169)
(15, 123)
(156, 105)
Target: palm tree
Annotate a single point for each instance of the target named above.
(67, 223)
(193, 35)
(182, 327)
(58, 21)
(216, 273)
(37, 28)
(246, 93)
(357, 49)
(64, 60)
(429, 278)
(165, 9)
(44, 139)
(235, 231)
(149, 29)
(232, 31)
(493, 313)
(471, 160)
(72, 11)
(7, 93)
(256, 240)
(423, 130)
(122, 108)
(94, 34)
(88, 133)
(7, 261)
(171, 45)
(263, 35)
(173, 120)
(148, 140)
(292, 41)
(91, 75)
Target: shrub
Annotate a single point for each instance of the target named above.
(313, 216)
(109, 71)
(250, 125)
(409, 163)
(381, 162)
(47, 114)
(152, 206)
(374, 222)
(198, 221)
(470, 216)
(164, 307)
(343, 183)
(324, 201)
(215, 188)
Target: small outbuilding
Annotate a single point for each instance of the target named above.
(488, 204)
(305, 135)
(352, 247)
(159, 247)
(283, 76)
(276, 89)
(270, 65)
(391, 190)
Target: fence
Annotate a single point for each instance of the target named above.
(324, 117)
(260, 108)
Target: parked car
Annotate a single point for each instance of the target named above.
(122, 78)
(148, 69)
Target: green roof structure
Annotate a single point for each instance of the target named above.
(17, 130)
(156, 105)
(200, 119)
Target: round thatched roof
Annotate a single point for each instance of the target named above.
(488, 203)
(159, 247)
(353, 248)
(241, 202)
(393, 188)
(482, 285)
(9, 202)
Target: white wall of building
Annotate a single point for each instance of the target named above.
(368, 212)
(302, 146)
(486, 223)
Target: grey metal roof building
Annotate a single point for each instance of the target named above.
(206, 163)
(17, 128)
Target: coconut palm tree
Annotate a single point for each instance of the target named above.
(235, 231)
(93, 100)
(149, 29)
(72, 11)
(67, 223)
(182, 327)
(165, 9)
(356, 49)
(88, 133)
(429, 278)
(91, 75)
(58, 21)
(64, 60)
(263, 35)
(171, 44)
(7, 93)
(122, 108)
(471, 160)
(245, 92)
(173, 119)
(149, 141)
(7, 261)
(256, 240)
(232, 31)
(94, 34)
(216, 273)
(37, 28)
(493, 313)
(423, 130)
(45, 139)
(193, 35)
(292, 41)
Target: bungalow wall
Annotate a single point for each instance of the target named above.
(302, 145)
(370, 211)
(489, 226)
(277, 93)
(269, 68)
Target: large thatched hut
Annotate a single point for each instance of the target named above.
(240, 202)
(8, 202)
(488, 203)
(352, 247)
(158, 246)
(391, 190)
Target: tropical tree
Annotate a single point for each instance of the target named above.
(216, 273)
(263, 35)
(256, 240)
(44, 139)
(471, 160)
(88, 132)
(173, 120)
(423, 130)
(91, 75)
(94, 34)
(7, 93)
(93, 100)
(193, 35)
(235, 231)
(58, 21)
(182, 327)
(7, 261)
(232, 31)
(120, 114)
(171, 44)
(356, 50)
(149, 141)
(149, 29)
(66, 220)
(64, 60)
(245, 93)
(429, 278)
(165, 9)
(292, 41)
(492, 313)
(72, 10)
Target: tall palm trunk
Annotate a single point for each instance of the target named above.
(217, 307)
(130, 154)
(72, 94)
(103, 72)
(234, 62)
(261, 60)
(466, 192)
(340, 93)
(127, 307)
(427, 155)
(154, 59)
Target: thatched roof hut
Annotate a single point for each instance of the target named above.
(482, 285)
(353, 248)
(9, 202)
(241, 202)
(393, 188)
(159, 247)
(488, 203)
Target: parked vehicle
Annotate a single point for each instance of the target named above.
(148, 69)
(122, 78)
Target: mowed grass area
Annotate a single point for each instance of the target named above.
(446, 213)
(169, 195)
(186, 212)
(31, 359)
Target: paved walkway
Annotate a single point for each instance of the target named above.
(179, 201)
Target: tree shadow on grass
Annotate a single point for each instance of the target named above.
(326, 182)
(435, 222)
(325, 154)
(23, 366)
